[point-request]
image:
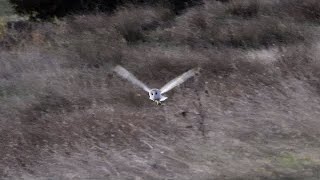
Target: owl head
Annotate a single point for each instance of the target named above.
(155, 94)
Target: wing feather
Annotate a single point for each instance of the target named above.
(178, 80)
(130, 77)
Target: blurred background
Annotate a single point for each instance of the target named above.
(252, 112)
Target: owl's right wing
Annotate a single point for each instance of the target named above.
(128, 76)
(178, 80)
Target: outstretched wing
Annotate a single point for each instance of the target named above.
(127, 75)
(178, 80)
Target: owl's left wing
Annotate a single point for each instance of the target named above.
(178, 80)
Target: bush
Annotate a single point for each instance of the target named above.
(302, 63)
(133, 23)
(245, 8)
(307, 10)
(207, 27)
(2, 27)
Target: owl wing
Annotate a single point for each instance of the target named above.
(178, 80)
(128, 76)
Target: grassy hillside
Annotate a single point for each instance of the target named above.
(252, 112)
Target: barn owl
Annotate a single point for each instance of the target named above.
(155, 95)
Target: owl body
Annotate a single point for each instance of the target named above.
(155, 94)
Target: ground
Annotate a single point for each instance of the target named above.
(251, 113)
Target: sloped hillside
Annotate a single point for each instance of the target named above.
(252, 112)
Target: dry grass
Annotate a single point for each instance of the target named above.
(252, 113)
(217, 24)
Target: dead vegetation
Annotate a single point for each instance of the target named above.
(251, 114)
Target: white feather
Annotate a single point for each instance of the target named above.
(127, 75)
(178, 80)
(163, 98)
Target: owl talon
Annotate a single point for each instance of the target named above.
(158, 103)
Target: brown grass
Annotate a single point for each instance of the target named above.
(63, 113)
(218, 24)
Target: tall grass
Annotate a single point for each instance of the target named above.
(61, 102)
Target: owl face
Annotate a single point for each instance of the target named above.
(155, 94)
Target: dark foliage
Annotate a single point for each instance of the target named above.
(47, 9)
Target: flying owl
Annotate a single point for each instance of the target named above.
(155, 95)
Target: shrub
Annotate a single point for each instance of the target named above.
(132, 23)
(307, 10)
(212, 27)
(302, 63)
(245, 8)
(17, 32)
(2, 27)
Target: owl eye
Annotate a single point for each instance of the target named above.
(156, 93)
(152, 94)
